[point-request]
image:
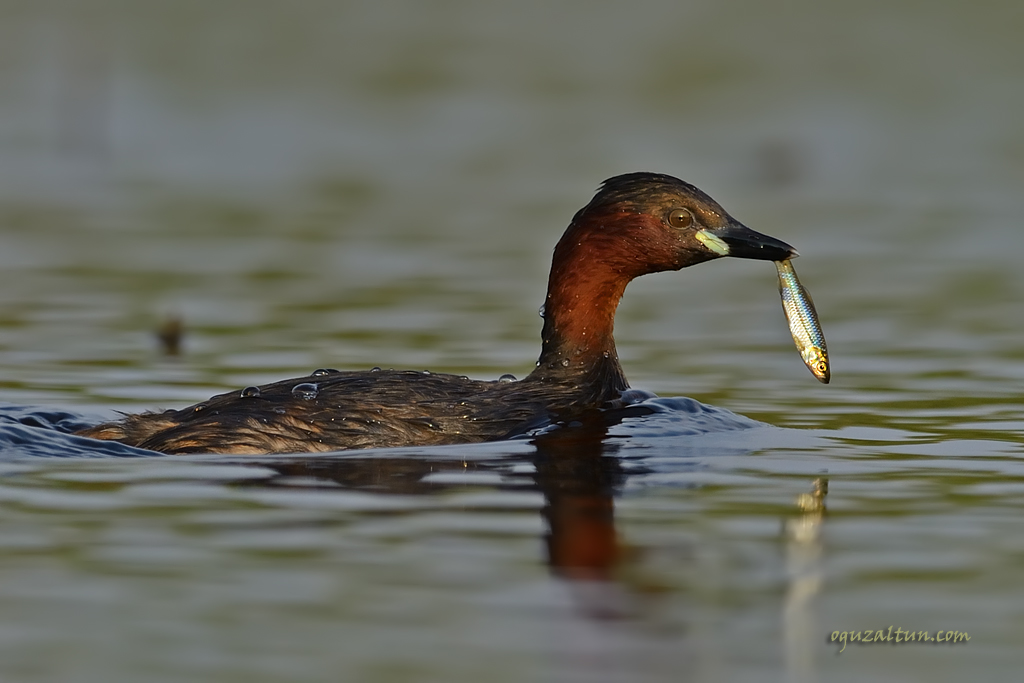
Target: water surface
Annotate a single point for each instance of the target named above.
(340, 185)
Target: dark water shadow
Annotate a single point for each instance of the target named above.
(575, 468)
(579, 468)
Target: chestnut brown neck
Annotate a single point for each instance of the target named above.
(592, 264)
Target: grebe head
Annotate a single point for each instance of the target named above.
(649, 222)
(636, 224)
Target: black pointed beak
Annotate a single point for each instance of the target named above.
(742, 242)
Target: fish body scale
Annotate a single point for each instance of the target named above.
(803, 322)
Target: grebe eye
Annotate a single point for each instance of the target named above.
(680, 218)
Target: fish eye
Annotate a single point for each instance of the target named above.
(821, 366)
(680, 218)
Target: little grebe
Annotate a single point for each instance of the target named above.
(636, 224)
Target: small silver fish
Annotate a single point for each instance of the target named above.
(803, 322)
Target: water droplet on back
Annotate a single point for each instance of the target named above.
(307, 391)
(375, 369)
(280, 410)
(200, 406)
(251, 392)
(506, 378)
(320, 372)
(565, 362)
(542, 310)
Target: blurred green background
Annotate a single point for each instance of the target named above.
(359, 184)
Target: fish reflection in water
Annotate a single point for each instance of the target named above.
(803, 322)
(805, 578)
